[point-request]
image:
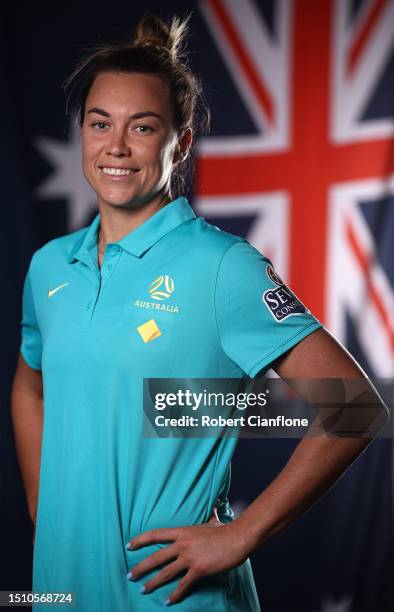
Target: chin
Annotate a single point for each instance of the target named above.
(116, 199)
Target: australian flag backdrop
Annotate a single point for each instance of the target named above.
(300, 160)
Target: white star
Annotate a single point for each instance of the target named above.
(67, 180)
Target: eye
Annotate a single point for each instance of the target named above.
(99, 125)
(143, 129)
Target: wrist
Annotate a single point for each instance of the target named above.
(245, 536)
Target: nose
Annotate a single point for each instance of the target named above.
(118, 146)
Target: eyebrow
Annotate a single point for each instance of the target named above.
(139, 115)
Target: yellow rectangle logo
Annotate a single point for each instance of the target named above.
(149, 330)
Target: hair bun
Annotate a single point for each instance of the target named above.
(167, 38)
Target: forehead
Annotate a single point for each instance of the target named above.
(129, 92)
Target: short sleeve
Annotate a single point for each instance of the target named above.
(31, 341)
(258, 317)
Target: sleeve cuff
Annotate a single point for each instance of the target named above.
(30, 362)
(268, 359)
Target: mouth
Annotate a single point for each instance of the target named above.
(112, 172)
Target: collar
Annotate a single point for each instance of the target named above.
(143, 237)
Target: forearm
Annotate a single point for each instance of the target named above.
(315, 465)
(27, 417)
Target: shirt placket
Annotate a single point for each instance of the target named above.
(102, 275)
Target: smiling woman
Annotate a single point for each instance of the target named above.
(128, 154)
(149, 290)
(167, 104)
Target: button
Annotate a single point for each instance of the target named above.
(109, 266)
(115, 248)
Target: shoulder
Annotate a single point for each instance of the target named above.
(236, 252)
(220, 253)
(209, 238)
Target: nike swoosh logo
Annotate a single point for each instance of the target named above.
(52, 291)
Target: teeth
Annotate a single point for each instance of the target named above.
(117, 171)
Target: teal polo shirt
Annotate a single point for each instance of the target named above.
(175, 298)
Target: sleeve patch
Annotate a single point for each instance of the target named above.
(280, 300)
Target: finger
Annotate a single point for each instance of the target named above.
(183, 587)
(157, 558)
(213, 515)
(165, 575)
(214, 518)
(163, 534)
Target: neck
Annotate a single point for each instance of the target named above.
(116, 222)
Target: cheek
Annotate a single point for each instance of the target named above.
(90, 149)
(155, 153)
(147, 152)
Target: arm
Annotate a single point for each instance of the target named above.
(317, 462)
(27, 417)
(315, 465)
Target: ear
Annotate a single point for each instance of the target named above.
(183, 145)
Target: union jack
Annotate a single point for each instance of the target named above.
(318, 173)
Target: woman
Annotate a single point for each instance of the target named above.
(118, 511)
